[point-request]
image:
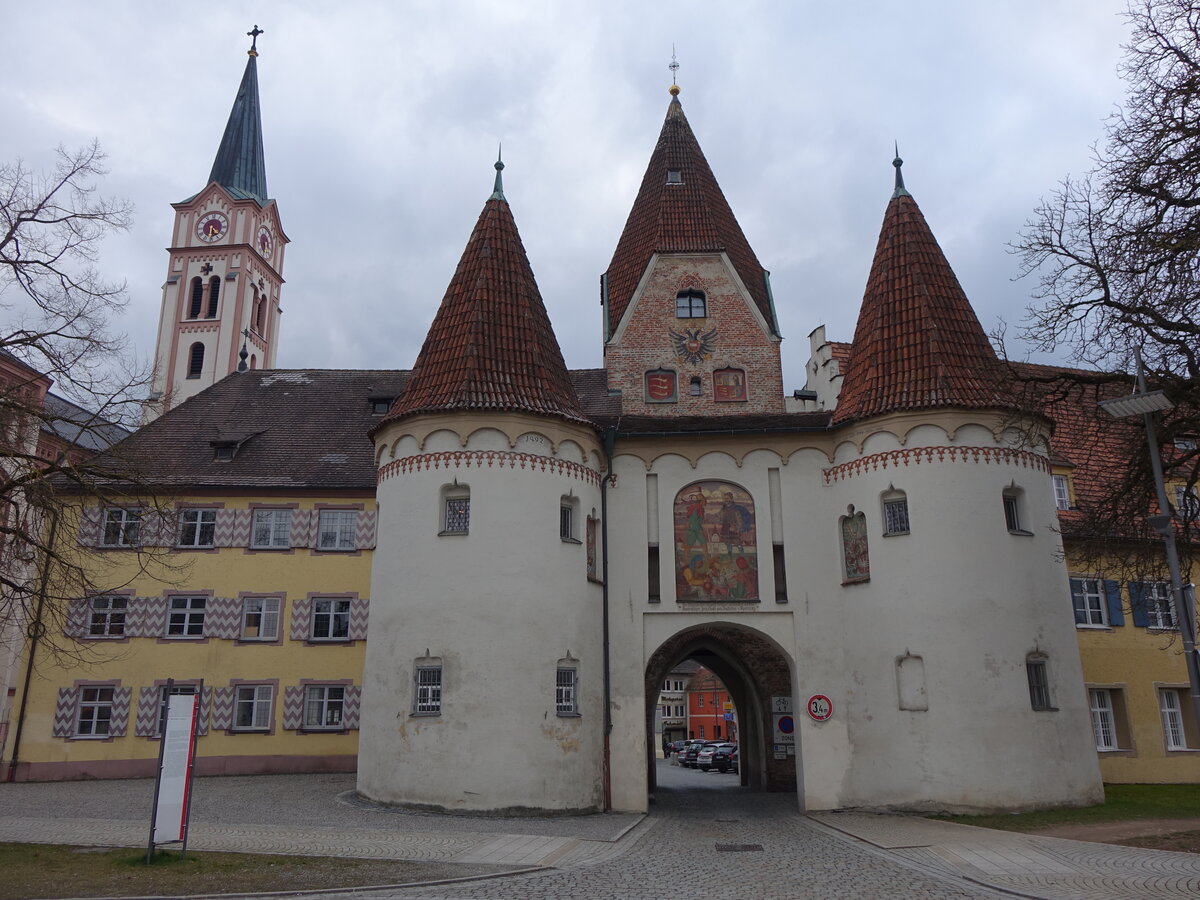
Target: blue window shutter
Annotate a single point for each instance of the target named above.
(1112, 597)
(1077, 599)
(1137, 604)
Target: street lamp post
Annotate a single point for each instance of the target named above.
(1147, 403)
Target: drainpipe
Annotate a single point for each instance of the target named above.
(610, 439)
(35, 631)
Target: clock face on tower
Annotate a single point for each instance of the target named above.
(264, 241)
(211, 226)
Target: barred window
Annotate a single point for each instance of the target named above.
(565, 698)
(895, 513)
(429, 690)
(458, 515)
(1039, 684)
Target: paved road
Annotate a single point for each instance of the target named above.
(705, 836)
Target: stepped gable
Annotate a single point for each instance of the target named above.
(491, 346)
(688, 217)
(291, 428)
(918, 343)
(240, 166)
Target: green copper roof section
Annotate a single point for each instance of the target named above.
(498, 191)
(900, 190)
(240, 167)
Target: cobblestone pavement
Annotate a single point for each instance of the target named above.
(705, 835)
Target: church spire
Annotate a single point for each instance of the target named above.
(680, 209)
(240, 167)
(491, 346)
(918, 343)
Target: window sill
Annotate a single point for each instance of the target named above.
(1162, 629)
(183, 637)
(1079, 626)
(90, 737)
(1020, 532)
(570, 715)
(424, 715)
(1045, 709)
(453, 533)
(888, 534)
(333, 729)
(570, 540)
(1117, 751)
(249, 731)
(1183, 751)
(337, 640)
(258, 549)
(195, 546)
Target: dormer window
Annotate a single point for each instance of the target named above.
(380, 405)
(674, 176)
(691, 304)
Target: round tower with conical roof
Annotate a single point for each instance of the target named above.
(483, 682)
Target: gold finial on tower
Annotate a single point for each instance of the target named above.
(674, 67)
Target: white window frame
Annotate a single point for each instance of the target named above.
(337, 530)
(121, 527)
(93, 714)
(427, 694)
(202, 524)
(1160, 606)
(185, 617)
(103, 613)
(257, 699)
(1187, 503)
(1170, 705)
(328, 613)
(1100, 613)
(895, 514)
(1104, 720)
(271, 529)
(267, 611)
(1062, 491)
(566, 693)
(328, 702)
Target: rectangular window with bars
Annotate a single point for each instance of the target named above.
(428, 700)
(565, 700)
(895, 516)
(458, 515)
(565, 523)
(1172, 719)
(1039, 684)
(1104, 726)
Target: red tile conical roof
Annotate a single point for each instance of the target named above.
(918, 343)
(688, 216)
(491, 346)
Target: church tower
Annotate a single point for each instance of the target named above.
(226, 265)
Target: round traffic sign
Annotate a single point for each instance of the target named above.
(786, 725)
(820, 707)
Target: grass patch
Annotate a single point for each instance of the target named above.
(35, 871)
(1122, 802)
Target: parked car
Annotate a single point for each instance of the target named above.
(688, 756)
(725, 759)
(704, 759)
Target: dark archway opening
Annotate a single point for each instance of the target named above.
(754, 671)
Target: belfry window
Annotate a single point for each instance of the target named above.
(691, 304)
(195, 360)
(197, 298)
(214, 294)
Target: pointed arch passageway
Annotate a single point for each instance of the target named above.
(755, 671)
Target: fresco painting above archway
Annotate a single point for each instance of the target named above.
(716, 550)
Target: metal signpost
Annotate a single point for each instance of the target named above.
(178, 718)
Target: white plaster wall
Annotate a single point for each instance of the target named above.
(500, 605)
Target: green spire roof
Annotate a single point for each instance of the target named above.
(239, 166)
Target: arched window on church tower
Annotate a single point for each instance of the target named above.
(253, 360)
(195, 360)
(197, 298)
(214, 294)
(260, 313)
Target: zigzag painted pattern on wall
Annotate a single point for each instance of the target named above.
(304, 528)
(89, 526)
(360, 610)
(78, 618)
(918, 455)
(447, 459)
(222, 709)
(120, 711)
(146, 724)
(64, 712)
(301, 618)
(293, 707)
(223, 618)
(351, 703)
(364, 529)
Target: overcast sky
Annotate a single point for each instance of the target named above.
(381, 122)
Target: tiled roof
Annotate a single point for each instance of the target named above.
(239, 166)
(491, 346)
(591, 387)
(302, 428)
(78, 426)
(689, 217)
(918, 343)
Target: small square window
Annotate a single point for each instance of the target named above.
(272, 529)
(691, 304)
(107, 617)
(331, 620)
(458, 515)
(565, 698)
(186, 616)
(252, 707)
(94, 717)
(674, 176)
(336, 529)
(323, 707)
(895, 516)
(428, 700)
(380, 407)
(197, 527)
(122, 527)
(260, 618)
